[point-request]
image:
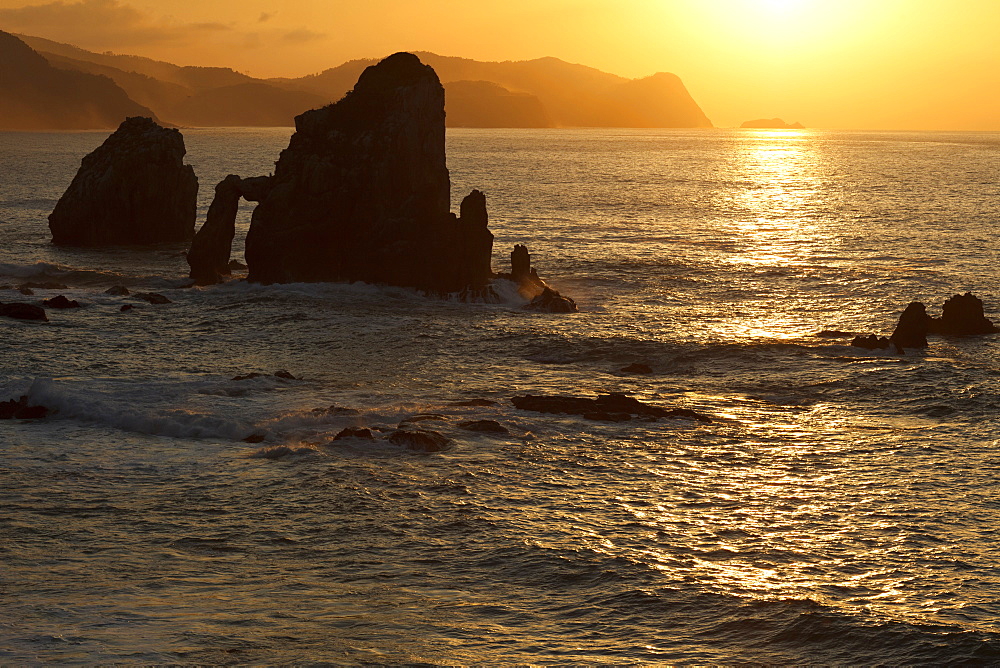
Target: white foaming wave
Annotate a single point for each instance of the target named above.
(130, 417)
(35, 270)
(507, 291)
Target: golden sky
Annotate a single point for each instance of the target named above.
(877, 64)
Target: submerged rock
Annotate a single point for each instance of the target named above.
(21, 311)
(963, 315)
(605, 407)
(484, 426)
(152, 297)
(420, 440)
(119, 290)
(133, 189)
(474, 402)
(637, 367)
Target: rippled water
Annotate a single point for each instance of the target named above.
(840, 508)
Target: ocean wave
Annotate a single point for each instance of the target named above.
(121, 414)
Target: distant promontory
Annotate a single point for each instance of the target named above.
(540, 93)
(771, 124)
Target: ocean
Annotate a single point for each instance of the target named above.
(840, 507)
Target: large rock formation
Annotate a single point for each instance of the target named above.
(362, 193)
(212, 245)
(962, 315)
(133, 189)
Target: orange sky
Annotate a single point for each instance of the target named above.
(881, 64)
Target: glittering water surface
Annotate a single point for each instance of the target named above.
(840, 508)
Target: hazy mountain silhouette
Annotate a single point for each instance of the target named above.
(34, 95)
(571, 95)
(546, 92)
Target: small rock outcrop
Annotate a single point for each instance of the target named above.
(212, 245)
(20, 410)
(962, 315)
(133, 189)
(540, 295)
(60, 301)
(362, 193)
(871, 342)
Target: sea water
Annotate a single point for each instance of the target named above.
(841, 507)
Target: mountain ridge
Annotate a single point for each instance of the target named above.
(542, 92)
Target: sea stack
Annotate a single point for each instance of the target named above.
(362, 193)
(133, 189)
(212, 245)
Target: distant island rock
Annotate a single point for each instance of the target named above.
(133, 189)
(771, 124)
(34, 95)
(545, 92)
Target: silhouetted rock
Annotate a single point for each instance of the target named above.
(255, 438)
(119, 290)
(20, 410)
(26, 291)
(911, 330)
(212, 245)
(420, 440)
(871, 342)
(484, 426)
(520, 264)
(60, 301)
(133, 189)
(284, 375)
(771, 124)
(210, 249)
(605, 407)
(362, 193)
(637, 367)
(126, 307)
(962, 315)
(355, 432)
(23, 311)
